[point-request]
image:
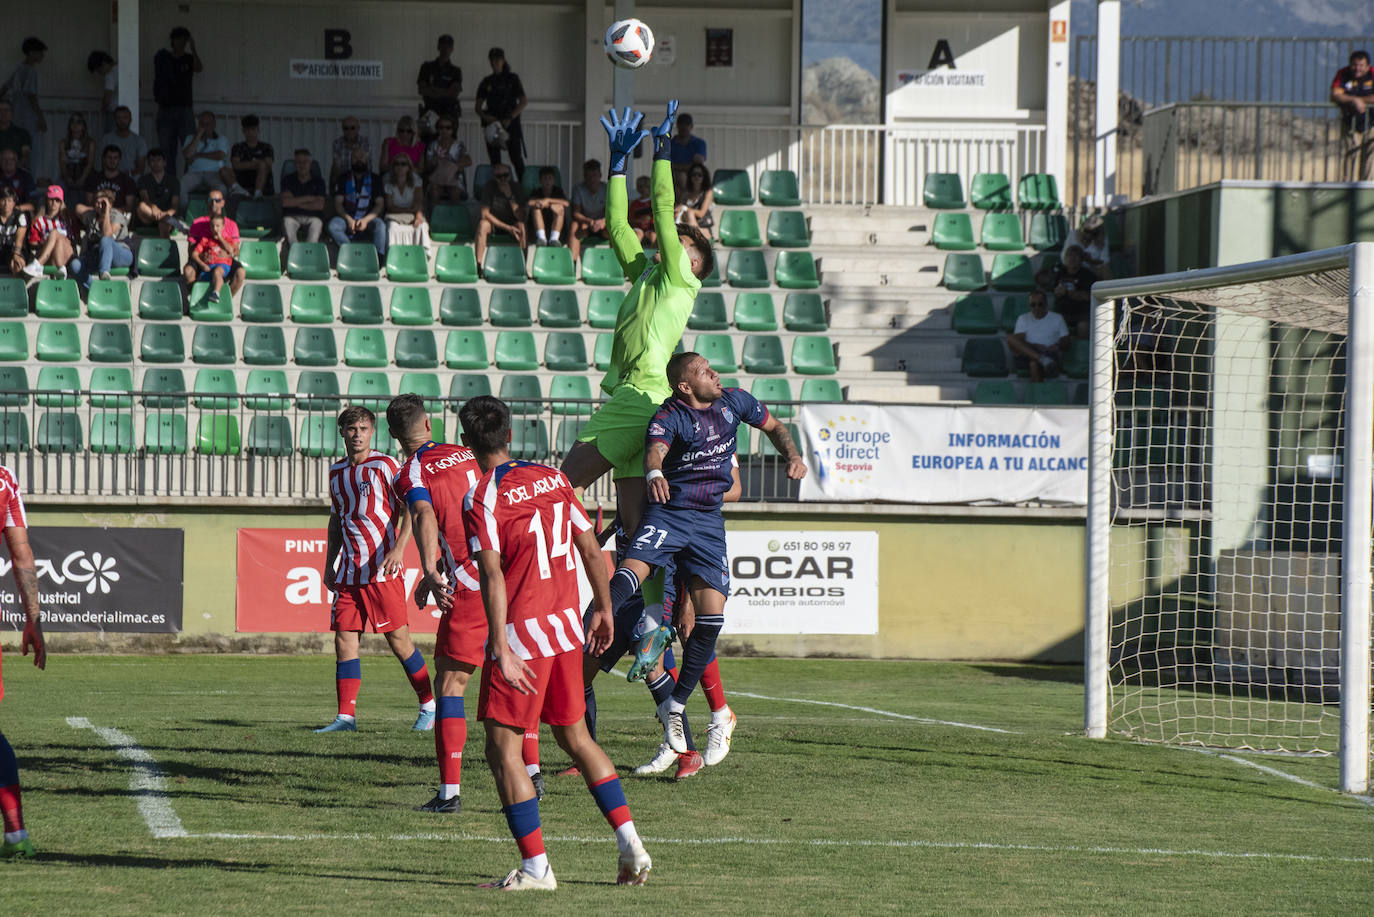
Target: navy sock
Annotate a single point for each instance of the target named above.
(624, 584)
(696, 654)
(589, 693)
(662, 689)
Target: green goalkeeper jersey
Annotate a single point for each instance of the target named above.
(654, 313)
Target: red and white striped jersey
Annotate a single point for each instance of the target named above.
(11, 502)
(442, 475)
(527, 513)
(360, 496)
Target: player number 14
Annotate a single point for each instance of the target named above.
(560, 532)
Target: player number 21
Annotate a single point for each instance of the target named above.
(561, 532)
(647, 536)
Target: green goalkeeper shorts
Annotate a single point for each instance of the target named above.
(618, 429)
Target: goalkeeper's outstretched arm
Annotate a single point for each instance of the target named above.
(670, 249)
(624, 134)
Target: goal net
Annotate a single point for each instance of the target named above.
(1228, 534)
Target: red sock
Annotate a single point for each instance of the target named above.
(711, 686)
(530, 747)
(348, 677)
(11, 808)
(420, 682)
(450, 735)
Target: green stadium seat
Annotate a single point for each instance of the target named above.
(740, 229)
(995, 391)
(264, 345)
(218, 434)
(732, 188)
(110, 342)
(522, 393)
(730, 382)
(565, 351)
(565, 440)
(307, 261)
(763, 354)
(361, 305)
(14, 386)
(804, 312)
(963, 272)
(509, 309)
(14, 297)
(261, 302)
(778, 188)
(456, 264)
(788, 229)
(109, 300)
(1012, 273)
(578, 392)
(747, 269)
(164, 434)
(358, 263)
(468, 385)
(266, 390)
(708, 313)
(529, 439)
(160, 301)
(111, 387)
(713, 279)
(158, 258)
(216, 390)
(516, 350)
(553, 264)
(260, 260)
(1048, 231)
(744, 441)
(796, 271)
(320, 438)
(200, 309)
(317, 390)
(975, 315)
(58, 387)
(58, 432)
(256, 219)
(719, 351)
(213, 345)
(755, 312)
(407, 264)
(163, 388)
(14, 432)
(1028, 193)
(600, 268)
(984, 357)
(943, 191)
(269, 435)
(953, 232)
(504, 264)
(1050, 394)
(57, 299)
(559, 309)
(604, 305)
(1001, 232)
(365, 348)
(315, 347)
(1013, 307)
(1049, 191)
(460, 307)
(813, 355)
(58, 342)
(1078, 360)
(601, 350)
(530, 180)
(426, 385)
(776, 394)
(411, 306)
(821, 390)
(14, 342)
(416, 349)
(450, 223)
(990, 191)
(311, 304)
(466, 350)
(372, 390)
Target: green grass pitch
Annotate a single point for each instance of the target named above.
(820, 808)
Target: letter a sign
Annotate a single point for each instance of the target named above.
(942, 56)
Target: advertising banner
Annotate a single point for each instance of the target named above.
(938, 454)
(101, 580)
(811, 582)
(301, 69)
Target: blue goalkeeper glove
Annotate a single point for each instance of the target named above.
(623, 130)
(664, 132)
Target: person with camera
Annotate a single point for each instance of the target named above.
(105, 238)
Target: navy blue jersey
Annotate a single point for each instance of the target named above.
(701, 444)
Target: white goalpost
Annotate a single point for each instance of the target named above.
(1229, 508)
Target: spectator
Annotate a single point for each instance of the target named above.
(207, 160)
(641, 212)
(22, 89)
(76, 156)
(697, 197)
(1040, 340)
(1073, 282)
(50, 236)
(1091, 238)
(17, 180)
(12, 136)
(685, 149)
(110, 176)
(405, 141)
(503, 210)
(174, 72)
(101, 64)
(133, 148)
(548, 208)
(158, 197)
(439, 83)
(500, 99)
(405, 198)
(588, 208)
(359, 199)
(216, 237)
(344, 146)
(13, 228)
(302, 200)
(251, 161)
(445, 163)
(105, 239)
(1353, 92)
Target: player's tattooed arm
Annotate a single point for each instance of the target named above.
(26, 577)
(394, 561)
(655, 484)
(333, 545)
(510, 666)
(776, 431)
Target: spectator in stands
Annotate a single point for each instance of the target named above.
(12, 136)
(1091, 239)
(158, 197)
(697, 197)
(302, 201)
(251, 160)
(405, 198)
(75, 156)
(548, 208)
(1353, 92)
(22, 90)
(500, 100)
(17, 180)
(101, 64)
(110, 176)
(446, 162)
(215, 236)
(207, 159)
(351, 139)
(1040, 340)
(589, 208)
(359, 199)
(405, 141)
(439, 83)
(132, 147)
(174, 72)
(105, 239)
(14, 225)
(1073, 281)
(50, 236)
(685, 149)
(641, 212)
(503, 210)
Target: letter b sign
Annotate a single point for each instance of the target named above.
(337, 44)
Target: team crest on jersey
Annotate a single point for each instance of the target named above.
(656, 429)
(365, 487)
(729, 415)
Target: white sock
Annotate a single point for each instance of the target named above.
(553, 237)
(721, 716)
(675, 706)
(539, 235)
(348, 717)
(429, 706)
(14, 837)
(536, 866)
(448, 790)
(626, 835)
(531, 769)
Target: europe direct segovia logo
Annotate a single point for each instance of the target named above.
(848, 449)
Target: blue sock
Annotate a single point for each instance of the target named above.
(589, 695)
(662, 689)
(352, 668)
(624, 584)
(450, 707)
(9, 765)
(669, 660)
(697, 654)
(415, 663)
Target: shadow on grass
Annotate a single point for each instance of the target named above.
(1069, 674)
(136, 861)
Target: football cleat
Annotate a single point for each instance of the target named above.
(424, 722)
(449, 806)
(569, 772)
(687, 765)
(538, 780)
(718, 738)
(18, 850)
(660, 762)
(520, 881)
(675, 730)
(649, 650)
(339, 725)
(634, 865)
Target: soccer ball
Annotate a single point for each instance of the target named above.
(629, 44)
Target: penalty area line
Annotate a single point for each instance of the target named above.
(147, 782)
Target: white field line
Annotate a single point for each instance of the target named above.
(1272, 771)
(147, 782)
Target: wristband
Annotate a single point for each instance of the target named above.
(652, 474)
(618, 163)
(663, 147)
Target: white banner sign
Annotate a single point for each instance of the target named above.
(936, 454)
(812, 582)
(943, 79)
(335, 69)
